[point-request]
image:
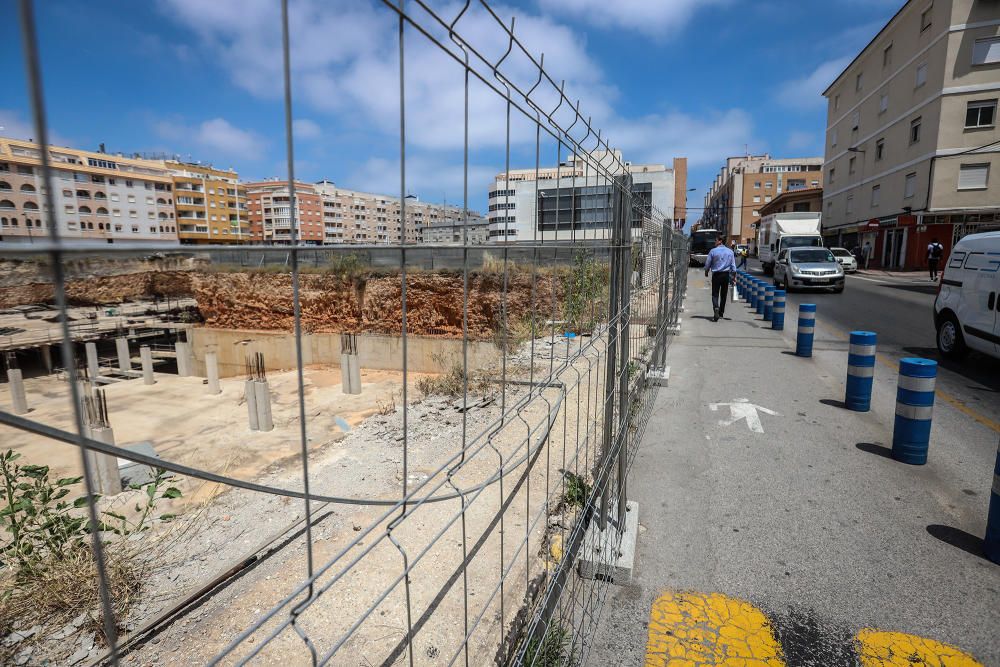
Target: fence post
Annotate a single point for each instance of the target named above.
(624, 214)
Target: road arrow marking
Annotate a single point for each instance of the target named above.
(740, 409)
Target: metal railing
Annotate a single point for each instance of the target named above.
(481, 550)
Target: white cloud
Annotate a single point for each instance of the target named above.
(655, 18)
(14, 125)
(303, 128)
(431, 177)
(217, 136)
(801, 141)
(807, 92)
(705, 139)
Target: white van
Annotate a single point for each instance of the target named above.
(967, 308)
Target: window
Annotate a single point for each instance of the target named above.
(756, 213)
(981, 114)
(986, 51)
(84, 210)
(767, 198)
(66, 193)
(921, 75)
(756, 185)
(915, 130)
(833, 137)
(149, 201)
(887, 56)
(70, 209)
(850, 165)
(883, 103)
(133, 214)
(131, 199)
(129, 183)
(876, 195)
(802, 206)
(925, 18)
(858, 81)
(836, 102)
(855, 120)
(973, 176)
(850, 204)
(879, 149)
(756, 199)
(116, 212)
(114, 197)
(832, 172)
(909, 185)
(767, 185)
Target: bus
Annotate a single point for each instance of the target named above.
(702, 241)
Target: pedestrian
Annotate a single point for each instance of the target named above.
(722, 264)
(934, 253)
(743, 257)
(866, 253)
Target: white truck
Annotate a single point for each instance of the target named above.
(786, 230)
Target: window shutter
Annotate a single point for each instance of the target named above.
(973, 176)
(986, 51)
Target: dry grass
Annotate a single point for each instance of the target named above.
(57, 591)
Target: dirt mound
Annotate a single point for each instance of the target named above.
(100, 290)
(370, 304)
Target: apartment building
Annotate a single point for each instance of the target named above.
(912, 145)
(746, 184)
(570, 201)
(210, 204)
(331, 215)
(99, 198)
(450, 226)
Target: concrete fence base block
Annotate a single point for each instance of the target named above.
(262, 392)
(250, 393)
(124, 356)
(93, 368)
(17, 395)
(183, 351)
(599, 560)
(673, 329)
(659, 377)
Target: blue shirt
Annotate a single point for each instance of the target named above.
(720, 259)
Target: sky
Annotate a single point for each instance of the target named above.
(703, 79)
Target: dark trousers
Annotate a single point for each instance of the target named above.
(743, 262)
(720, 288)
(932, 264)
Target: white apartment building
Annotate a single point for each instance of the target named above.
(912, 145)
(572, 202)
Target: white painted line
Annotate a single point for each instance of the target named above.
(740, 409)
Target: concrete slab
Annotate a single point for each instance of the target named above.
(598, 561)
(659, 377)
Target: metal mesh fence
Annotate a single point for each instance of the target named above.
(494, 536)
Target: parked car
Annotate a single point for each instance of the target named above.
(846, 259)
(808, 268)
(967, 307)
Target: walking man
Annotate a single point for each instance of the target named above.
(934, 252)
(722, 264)
(743, 252)
(866, 253)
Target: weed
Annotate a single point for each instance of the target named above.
(509, 336)
(388, 406)
(453, 381)
(584, 285)
(577, 490)
(552, 650)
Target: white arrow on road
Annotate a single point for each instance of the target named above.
(742, 408)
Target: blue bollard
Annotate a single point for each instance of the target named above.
(778, 312)
(807, 327)
(752, 294)
(768, 302)
(759, 306)
(991, 543)
(911, 433)
(739, 284)
(860, 371)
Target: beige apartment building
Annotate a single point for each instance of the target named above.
(331, 215)
(210, 204)
(746, 184)
(99, 198)
(912, 148)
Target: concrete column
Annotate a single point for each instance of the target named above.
(262, 392)
(146, 355)
(105, 466)
(250, 393)
(183, 359)
(46, 352)
(92, 368)
(124, 356)
(17, 391)
(350, 373)
(212, 371)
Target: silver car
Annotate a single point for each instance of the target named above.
(808, 268)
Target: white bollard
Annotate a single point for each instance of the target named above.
(212, 371)
(17, 395)
(146, 355)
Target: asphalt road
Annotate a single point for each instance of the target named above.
(901, 312)
(790, 537)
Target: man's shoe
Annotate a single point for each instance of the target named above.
(715, 316)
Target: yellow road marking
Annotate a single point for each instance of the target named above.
(939, 393)
(690, 629)
(896, 649)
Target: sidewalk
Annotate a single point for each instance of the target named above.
(919, 275)
(791, 542)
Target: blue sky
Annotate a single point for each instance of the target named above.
(698, 78)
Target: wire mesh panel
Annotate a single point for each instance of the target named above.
(506, 385)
